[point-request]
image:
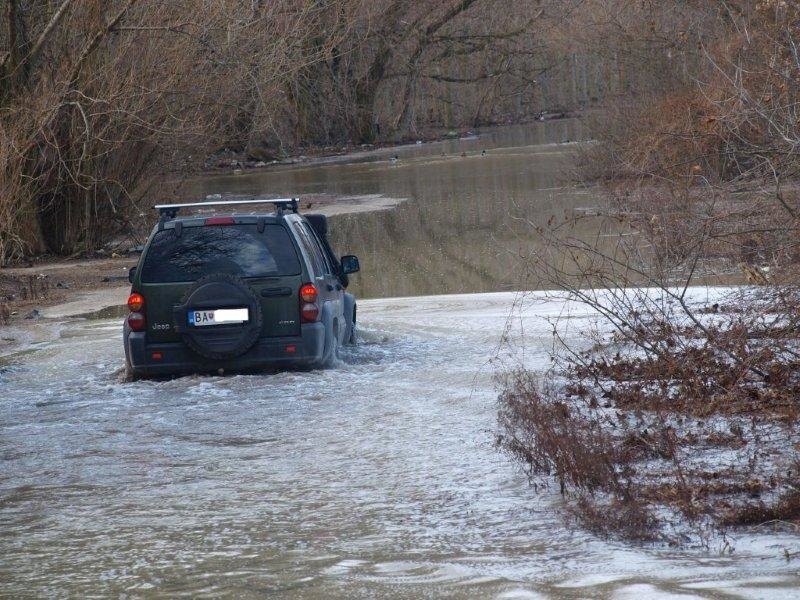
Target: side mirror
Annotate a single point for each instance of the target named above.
(350, 264)
(131, 274)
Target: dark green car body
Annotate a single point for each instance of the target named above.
(258, 264)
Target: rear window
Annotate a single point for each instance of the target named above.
(234, 249)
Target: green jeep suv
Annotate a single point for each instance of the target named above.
(237, 292)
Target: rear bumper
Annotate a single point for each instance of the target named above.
(303, 350)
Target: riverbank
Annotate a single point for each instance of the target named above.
(27, 290)
(402, 205)
(34, 298)
(671, 416)
(228, 161)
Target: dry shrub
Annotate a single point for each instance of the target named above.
(664, 138)
(34, 287)
(661, 420)
(786, 508)
(681, 409)
(552, 436)
(728, 110)
(553, 439)
(626, 517)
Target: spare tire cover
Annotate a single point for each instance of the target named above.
(220, 290)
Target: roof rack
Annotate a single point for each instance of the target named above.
(170, 211)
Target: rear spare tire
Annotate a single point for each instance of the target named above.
(220, 341)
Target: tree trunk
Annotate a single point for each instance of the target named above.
(366, 91)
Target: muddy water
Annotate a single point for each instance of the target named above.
(377, 478)
(471, 207)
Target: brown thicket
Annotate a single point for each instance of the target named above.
(97, 97)
(681, 408)
(403, 66)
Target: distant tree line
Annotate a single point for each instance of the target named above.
(99, 97)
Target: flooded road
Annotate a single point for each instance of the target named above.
(470, 211)
(377, 478)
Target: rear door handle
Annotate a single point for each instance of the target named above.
(273, 292)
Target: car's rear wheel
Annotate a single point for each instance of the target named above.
(330, 348)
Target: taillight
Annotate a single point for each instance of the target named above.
(135, 302)
(308, 293)
(309, 311)
(136, 321)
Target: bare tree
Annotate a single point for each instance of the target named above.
(96, 97)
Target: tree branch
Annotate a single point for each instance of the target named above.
(51, 25)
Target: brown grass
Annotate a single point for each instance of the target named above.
(786, 508)
(627, 518)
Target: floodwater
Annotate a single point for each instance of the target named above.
(466, 220)
(378, 478)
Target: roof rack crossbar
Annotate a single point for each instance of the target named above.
(170, 211)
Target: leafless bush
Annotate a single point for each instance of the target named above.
(34, 287)
(98, 98)
(683, 404)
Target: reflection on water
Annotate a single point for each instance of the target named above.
(468, 217)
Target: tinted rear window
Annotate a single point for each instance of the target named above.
(234, 249)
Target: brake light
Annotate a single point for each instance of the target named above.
(308, 293)
(220, 221)
(136, 321)
(309, 311)
(135, 302)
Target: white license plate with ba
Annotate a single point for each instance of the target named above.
(219, 316)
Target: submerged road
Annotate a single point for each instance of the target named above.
(378, 478)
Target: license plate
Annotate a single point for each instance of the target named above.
(219, 316)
